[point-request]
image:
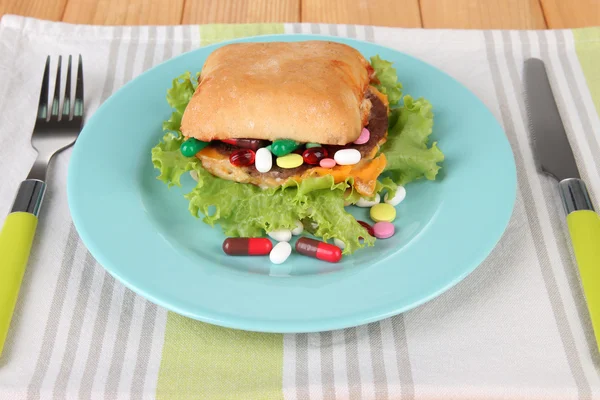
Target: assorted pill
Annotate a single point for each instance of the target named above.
(383, 212)
(362, 202)
(384, 230)
(247, 246)
(190, 147)
(398, 197)
(283, 147)
(347, 157)
(281, 235)
(290, 161)
(253, 144)
(242, 158)
(327, 163)
(263, 160)
(309, 145)
(364, 137)
(314, 155)
(339, 243)
(298, 229)
(319, 250)
(280, 253)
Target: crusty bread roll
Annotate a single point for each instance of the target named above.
(311, 91)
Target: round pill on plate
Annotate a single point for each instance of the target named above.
(383, 212)
(339, 243)
(290, 161)
(247, 246)
(298, 229)
(362, 202)
(320, 250)
(263, 160)
(347, 156)
(398, 197)
(364, 137)
(327, 163)
(281, 235)
(280, 252)
(384, 230)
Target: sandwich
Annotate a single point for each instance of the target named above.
(281, 133)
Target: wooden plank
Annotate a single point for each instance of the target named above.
(124, 12)
(240, 11)
(580, 13)
(403, 13)
(44, 9)
(483, 14)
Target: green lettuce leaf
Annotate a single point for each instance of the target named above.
(244, 210)
(388, 79)
(178, 97)
(408, 156)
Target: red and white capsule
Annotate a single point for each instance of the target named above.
(247, 246)
(319, 250)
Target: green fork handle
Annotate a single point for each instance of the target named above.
(16, 238)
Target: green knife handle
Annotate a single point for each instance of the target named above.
(16, 238)
(584, 229)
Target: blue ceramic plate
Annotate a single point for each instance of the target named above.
(143, 234)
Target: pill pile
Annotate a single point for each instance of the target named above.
(288, 154)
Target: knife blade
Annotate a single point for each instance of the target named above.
(554, 156)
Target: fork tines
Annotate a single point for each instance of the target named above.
(72, 108)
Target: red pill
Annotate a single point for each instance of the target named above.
(368, 227)
(253, 144)
(320, 250)
(314, 155)
(242, 158)
(247, 246)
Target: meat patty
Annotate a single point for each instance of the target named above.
(377, 126)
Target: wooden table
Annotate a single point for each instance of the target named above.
(505, 14)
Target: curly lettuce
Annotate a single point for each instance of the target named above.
(388, 79)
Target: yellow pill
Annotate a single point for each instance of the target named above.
(383, 212)
(290, 161)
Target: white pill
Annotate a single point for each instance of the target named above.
(397, 199)
(281, 235)
(298, 229)
(339, 243)
(194, 175)
(362, 202)
(263, 160)
(347, 157)
(280, 252)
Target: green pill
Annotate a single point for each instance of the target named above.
(283, 147)
(309, 145)
(190, 147)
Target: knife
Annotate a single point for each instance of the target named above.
(555, 158)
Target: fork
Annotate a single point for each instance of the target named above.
(53, 132)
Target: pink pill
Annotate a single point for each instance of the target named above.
(364, 137)
(384, 230)
(327, 163)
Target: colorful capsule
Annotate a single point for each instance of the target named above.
(264, 160)
(320, 250)
(327, 163)
(347, 156)
(368, 227)
(383, 212)
(364, 137)
(309, 145)
(314, 155)
(252, 144)
(283, 146)
(190, 147)
(242, 157)
(290, 161)
(247, 246)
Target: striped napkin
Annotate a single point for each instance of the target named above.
(515, 328)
